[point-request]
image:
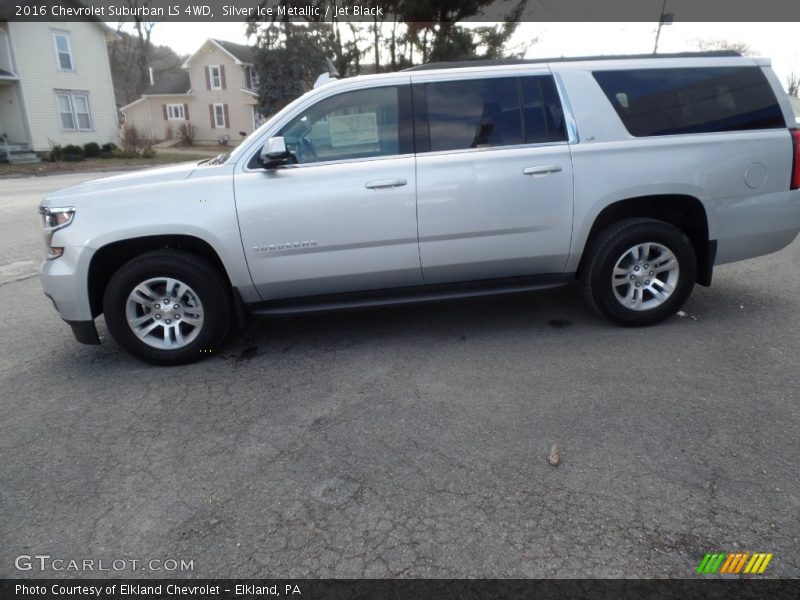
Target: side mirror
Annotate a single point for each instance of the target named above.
(274, 153)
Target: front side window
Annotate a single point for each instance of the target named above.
(63, 51)
(73, 111)
(692, 100)
(352, 125)
(215, 77)
(175, 112)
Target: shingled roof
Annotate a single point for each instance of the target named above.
(240, 51)
(175, 82)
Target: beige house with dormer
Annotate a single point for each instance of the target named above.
(55, 85)
(216, 91)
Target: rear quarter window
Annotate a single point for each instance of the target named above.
(695, 100)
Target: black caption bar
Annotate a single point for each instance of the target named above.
(394, 589)
(391, 10)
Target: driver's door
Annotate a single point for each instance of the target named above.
(343, 218)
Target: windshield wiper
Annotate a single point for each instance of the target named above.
(218, 160)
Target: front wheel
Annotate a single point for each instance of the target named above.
(168, 307)
(639, 271)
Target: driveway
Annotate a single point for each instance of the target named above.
(409, 441)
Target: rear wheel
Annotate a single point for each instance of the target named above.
(639, 271)
(168, 307)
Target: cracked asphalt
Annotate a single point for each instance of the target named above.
(407, 441)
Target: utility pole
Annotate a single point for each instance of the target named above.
(664, 19)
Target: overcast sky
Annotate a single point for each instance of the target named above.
(778, 41)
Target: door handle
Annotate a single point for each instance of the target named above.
(541, 170)
(382, 184)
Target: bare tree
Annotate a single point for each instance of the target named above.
(742, 48)
(144, 30)
(123, 54)
(793, 84)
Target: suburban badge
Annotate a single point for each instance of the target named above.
(284, 246)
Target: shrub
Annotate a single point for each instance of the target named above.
(134, 144)
(187, 133)
(149, 153)
(72, 153)
(122, 153)
(91, 150)
(56, 154)
(107, 150)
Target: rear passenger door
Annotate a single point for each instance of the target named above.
(494, 177)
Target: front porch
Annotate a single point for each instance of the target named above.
(14, 147)
(16, 154)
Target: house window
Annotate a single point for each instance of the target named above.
(215, 75)
(63, 51)
(251, 80)
(219, 116)
(258, 118)
(175, 112)
(73, 109)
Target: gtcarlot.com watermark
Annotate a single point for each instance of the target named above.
(45, 562)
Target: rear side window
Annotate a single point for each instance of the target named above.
(695, 100)
(478, 113)
(541, 111)
(473, 113)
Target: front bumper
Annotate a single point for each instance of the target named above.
(65, 282)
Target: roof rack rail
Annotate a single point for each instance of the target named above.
(461, 64)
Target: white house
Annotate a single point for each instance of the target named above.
(55, 85)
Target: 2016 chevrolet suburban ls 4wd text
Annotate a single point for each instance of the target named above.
(635, 175)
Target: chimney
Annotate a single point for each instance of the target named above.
(152, 80)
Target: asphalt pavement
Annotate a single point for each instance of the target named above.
(406, 441)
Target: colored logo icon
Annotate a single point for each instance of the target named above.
(740, 562)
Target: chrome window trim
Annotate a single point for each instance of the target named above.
(247, 169)
(531, 146)
(469, 74)
(569, 114)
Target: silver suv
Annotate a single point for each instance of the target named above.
(635, 175)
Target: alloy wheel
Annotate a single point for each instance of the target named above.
(645, 276)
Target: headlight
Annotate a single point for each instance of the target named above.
(55, 218)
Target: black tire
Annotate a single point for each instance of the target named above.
(204, 280)
(611, 245)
